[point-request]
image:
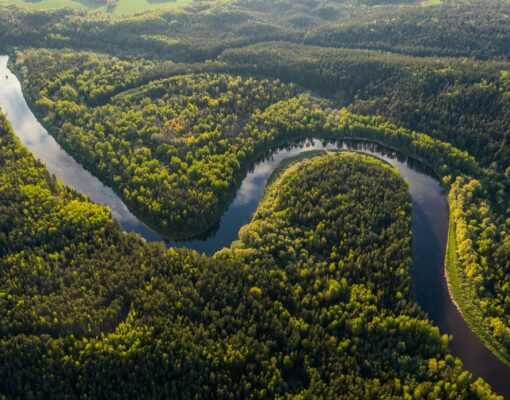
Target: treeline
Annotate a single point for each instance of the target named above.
(65, 264)
(478, 203)
(479, 265)
(192, 36)
(461, 101)
(176, 149)
(476, 29)
(80, 77)
(201, 32)
(176, 144)
(91, 312)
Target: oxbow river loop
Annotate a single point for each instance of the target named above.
(429, 219)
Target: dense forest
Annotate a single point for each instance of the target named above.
(474, 28)
(314, 300)
(90, 311)
(175, 148)
(175, 144)
(458, 100)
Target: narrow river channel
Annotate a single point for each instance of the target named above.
(429, 219)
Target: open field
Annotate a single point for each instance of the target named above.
(124, 7)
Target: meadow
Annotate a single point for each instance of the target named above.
(122, 7)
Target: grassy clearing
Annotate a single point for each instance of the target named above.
(463, 294)
(52, 4)
(124, 7)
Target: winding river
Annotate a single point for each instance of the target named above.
(429, 219)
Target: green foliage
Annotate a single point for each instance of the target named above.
(56, 248)
(478, 266)
(425, 31)
(173, 119)
(177, 148)
(456, 100)
(203, 30)
(89, 311)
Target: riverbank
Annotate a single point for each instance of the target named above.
(281, 167)
(462, 296)
(429, 207)
(200, 224)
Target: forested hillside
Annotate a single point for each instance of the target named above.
(172, 109)
(101, 313)
(177, 148)
(458, 100)
(476, 29)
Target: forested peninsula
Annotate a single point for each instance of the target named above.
(171, 108)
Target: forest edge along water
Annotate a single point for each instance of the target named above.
(429, 219)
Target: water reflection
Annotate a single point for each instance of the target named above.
(247, 198)
(429, 220)
(33, 135)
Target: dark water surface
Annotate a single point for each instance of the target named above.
(429, 219)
